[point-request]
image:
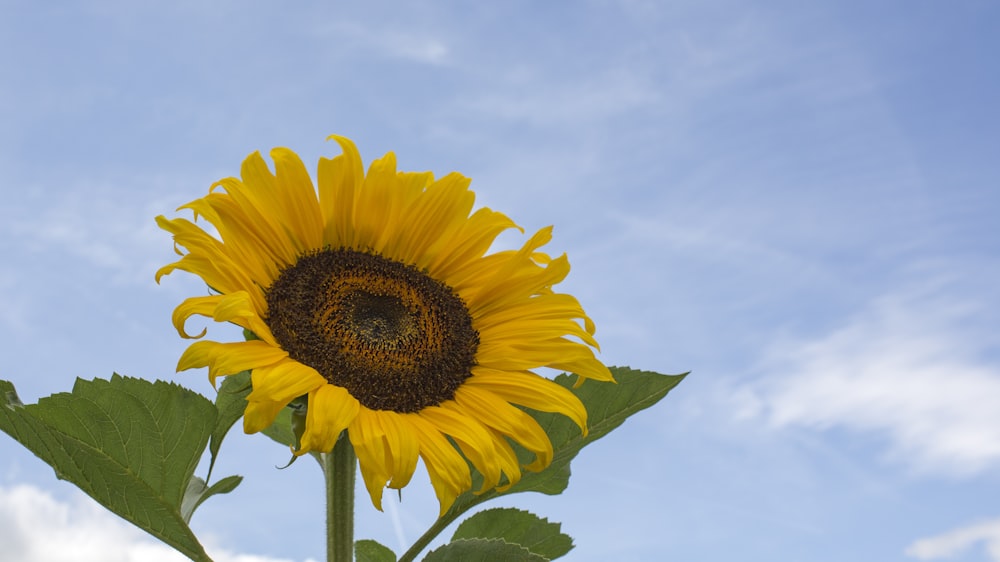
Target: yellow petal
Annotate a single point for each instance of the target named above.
(507, 459)
(406, 191)
(260, 414)
(331, 410)
(456, 257)
(239, 309)
(208, 258)
(284, 381)
(223, 359)
(299, 196)
(402, 447)
(474, 439)
(586, 367)
(441, 207)
(373, 204)
(339, 180)
(447, 469)
(514, 281)
(548, 307)
(560, 353)
(203, 306)
(248, 221)
(508, 420)
(532, 391)
(367, 438)
(242, 242)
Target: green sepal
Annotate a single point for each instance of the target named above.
(288, 427)
(130, 444)
(280, 430)
(482, 550)
(367, 550)
(298, 408)
(519, 527)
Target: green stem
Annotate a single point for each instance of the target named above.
(339, 470)
(450, 516)
(426, 538)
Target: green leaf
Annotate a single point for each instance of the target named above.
(482, 550)
(608, 406)
(368, 550)
(198, 491)
(130, 444)
(231, 401)
(519, 527)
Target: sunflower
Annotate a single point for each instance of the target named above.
(375, 298)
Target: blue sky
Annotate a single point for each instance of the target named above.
(796, 201)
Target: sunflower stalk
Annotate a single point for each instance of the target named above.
(339, 468)
(440, 525)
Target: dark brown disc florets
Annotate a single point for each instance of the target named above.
(394, 337)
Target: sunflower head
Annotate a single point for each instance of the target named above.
(373, 297)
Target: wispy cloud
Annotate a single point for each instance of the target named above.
(957, 541)
(14, 312)
(528, 95)
(104, 227)
(387, 41)
(913, 367)
(37, 527)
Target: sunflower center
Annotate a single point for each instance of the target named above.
(394, 337)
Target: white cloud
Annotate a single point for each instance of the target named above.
(36, 527)
(102, 226)
(14, 313)
(956, 541)
(529, 95)
(391, 42)
(913, 367)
